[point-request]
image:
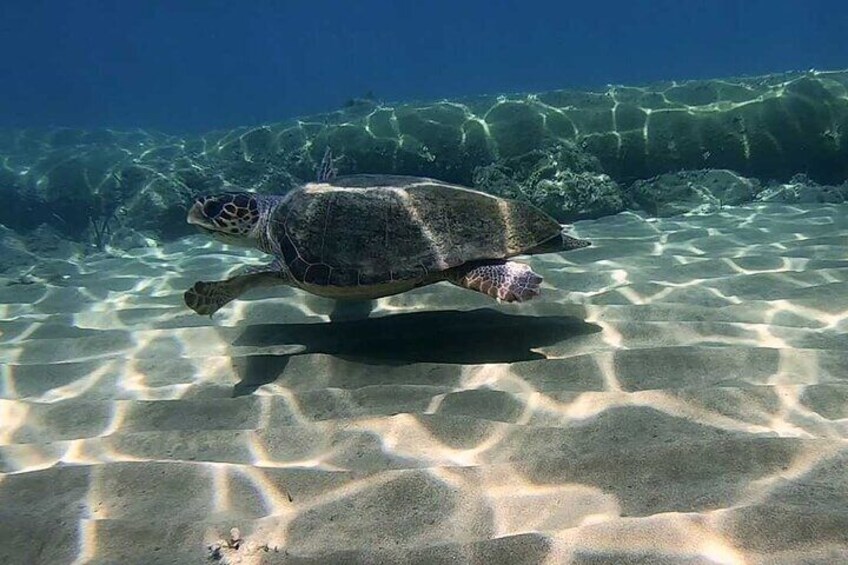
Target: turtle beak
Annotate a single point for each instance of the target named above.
(195, 216)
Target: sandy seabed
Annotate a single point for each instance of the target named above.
(677, 395)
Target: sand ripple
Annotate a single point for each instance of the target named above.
(678, 395)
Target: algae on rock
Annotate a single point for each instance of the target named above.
(566, 151)
(702, 191)
(561, 180)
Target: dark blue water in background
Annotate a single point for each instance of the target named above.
(183, 66)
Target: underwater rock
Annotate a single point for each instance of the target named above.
(125, 238)
(774, 125)
(159, 209)
(701, 191)
(516, 128)
(577, 196)
(14, 256)
(566, 151)
(767, 126)
(66, 181)
(46, 240)
(800, 189)
(258, 144)
(21, 209)
(561, 180)
(73, 185)
(8, 178)
(199, 181)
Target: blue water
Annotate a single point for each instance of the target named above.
(678, 393)
(193, 66)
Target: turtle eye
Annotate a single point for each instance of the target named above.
(213, 208)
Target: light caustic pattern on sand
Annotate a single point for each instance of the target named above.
(678, 394)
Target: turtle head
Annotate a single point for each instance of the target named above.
(231, 217)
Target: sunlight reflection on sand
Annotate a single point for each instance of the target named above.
(696, 390)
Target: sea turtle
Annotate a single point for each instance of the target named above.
(368, 236)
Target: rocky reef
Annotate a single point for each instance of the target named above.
(692, 191)
(666, 148)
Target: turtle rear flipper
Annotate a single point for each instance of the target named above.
(507, 281)
(207, 297)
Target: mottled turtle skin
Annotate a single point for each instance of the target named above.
(368, 236)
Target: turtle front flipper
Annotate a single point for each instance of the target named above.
(507, 281)
(207, 297)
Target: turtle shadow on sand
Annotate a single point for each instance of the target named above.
(472, 337)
